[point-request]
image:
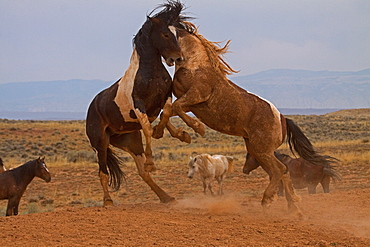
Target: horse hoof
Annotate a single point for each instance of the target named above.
(108, 203)
(185, 137)
(157, 134)
(200, 129)
(150, 168)
(169, 200)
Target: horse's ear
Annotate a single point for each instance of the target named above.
(41, 159)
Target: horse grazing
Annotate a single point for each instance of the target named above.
(13, 183)
(117, 114)
(303, 173)
(209, 168)
(2, 167)
(201, 86)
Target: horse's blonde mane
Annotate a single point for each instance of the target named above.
(214, 51)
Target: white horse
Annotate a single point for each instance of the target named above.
(209, 168)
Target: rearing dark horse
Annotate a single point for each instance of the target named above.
(117, 114)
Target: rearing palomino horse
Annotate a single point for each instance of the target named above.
(201, 86)
(117, 114)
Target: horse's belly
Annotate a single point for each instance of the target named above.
(219, 120)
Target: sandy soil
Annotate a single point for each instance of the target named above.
(69, 212)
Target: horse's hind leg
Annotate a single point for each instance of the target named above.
(325, 182)
(99, 141)
(220, 189)
(132, 143)
(278, 172)
(311, 188)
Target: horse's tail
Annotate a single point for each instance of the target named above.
(299, 142)
(230, 159)
(334, 174)
(115, 173)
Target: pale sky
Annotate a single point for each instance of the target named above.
(42, 40)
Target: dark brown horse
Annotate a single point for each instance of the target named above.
(303, 174)
(2, 167)
(117, 114)
(201, 86)
(13, 183)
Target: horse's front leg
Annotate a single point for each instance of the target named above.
(148, 132)
(12, 208)
(132, 143)
(158, 130)
(178, 109)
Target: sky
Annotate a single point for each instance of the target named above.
(43, 40)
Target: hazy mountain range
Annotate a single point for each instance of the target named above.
(298, 89)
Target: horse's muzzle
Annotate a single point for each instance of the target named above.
(246, 171)
(171, 61)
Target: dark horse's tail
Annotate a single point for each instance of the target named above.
(334, 174)
(300, 143)
(115, 173)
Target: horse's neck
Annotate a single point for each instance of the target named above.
(25, 173)
(148, 56)
(194, 52)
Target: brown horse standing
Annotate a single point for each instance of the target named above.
(117, 114)
(303, 174)
(13, 183)
(201, 86)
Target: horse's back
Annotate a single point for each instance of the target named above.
(221, 164)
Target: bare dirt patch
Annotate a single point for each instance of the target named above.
(68, 211)
(341, 218)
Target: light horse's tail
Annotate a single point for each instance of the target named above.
(116, 175)
(299, 142)
(230, 159)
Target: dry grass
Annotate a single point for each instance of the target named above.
(65, 142)
(67, 149)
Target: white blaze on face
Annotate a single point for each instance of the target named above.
(123, 98)
(173, 30)
(43, 164)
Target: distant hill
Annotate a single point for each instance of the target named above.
(296, 89)
(49, 96)
(310, 89)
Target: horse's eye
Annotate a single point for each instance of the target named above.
(166, 35)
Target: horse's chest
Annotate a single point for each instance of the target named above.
(144, 95)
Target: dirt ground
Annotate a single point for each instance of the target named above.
(68, 212)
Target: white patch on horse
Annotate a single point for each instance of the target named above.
(123, 98)
(275, 111)
(173, 30)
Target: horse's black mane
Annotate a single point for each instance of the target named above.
(170, 14)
